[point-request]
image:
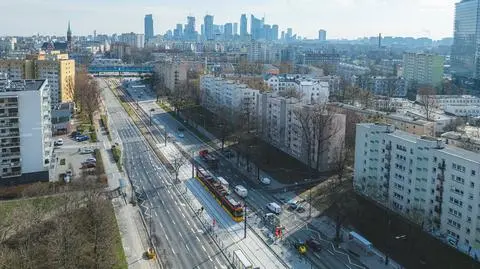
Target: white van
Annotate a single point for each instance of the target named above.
(241, 191)
(274, 207)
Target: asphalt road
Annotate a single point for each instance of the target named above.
(177, 234)
(258, 195)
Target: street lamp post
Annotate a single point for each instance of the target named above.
(151, 110)
(245, 220)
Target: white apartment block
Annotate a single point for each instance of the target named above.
(421, 178)
(282, 128)
(25, 131)
(349, 71)
(458, 105)
(221, 95)
(423, 68)
(313, 90)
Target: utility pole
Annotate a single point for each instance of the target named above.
(193, 165)
(245, 221)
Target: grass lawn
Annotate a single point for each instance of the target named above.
(41, 203)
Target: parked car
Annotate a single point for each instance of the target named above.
(69, 172)
(181, 135)
(58, 142)
(86, 150)
(75, 134)
(88, 165)
(314, 244)
(301, 209)
(274, 207)
(91, 160)
(67, 178)
(181, 129)
(292, 205)
(265, 180)
(81, 138)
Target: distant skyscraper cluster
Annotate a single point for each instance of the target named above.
(210, 31)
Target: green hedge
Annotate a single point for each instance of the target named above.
(100, 168)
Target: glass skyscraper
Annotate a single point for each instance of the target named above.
(208, 24)
(243, 25)
(148, 27)
(465, 58)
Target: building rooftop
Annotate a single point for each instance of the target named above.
(462, 154)
(21, 85)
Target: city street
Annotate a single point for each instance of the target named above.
(178, 236)
(258, 194)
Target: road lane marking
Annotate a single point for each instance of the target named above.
(174, 222)
(329, 251)
(198, 239)
(155, 212)
(187, 248)
(166, 236)
(168, 212)
(188, 223)
(180, 235)
(204, 249)
(173, 251)
(183, 215)
(192, 230)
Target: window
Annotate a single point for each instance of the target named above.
(473, 172)
(472, 185)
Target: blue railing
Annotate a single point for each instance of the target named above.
(126, 68)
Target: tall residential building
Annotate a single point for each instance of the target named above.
(282, 128)
(235, 28)
(275, 32)
(421, 178)
(148, 21)
(208, 24)
(289, 34)
(178, 32)
(25, 131)
(256, 28)
(243, 25)
(54, 66)
(465, 61)
(228, 31)
(190, 32)
(133, 40)
(322, 35)
(423, 68)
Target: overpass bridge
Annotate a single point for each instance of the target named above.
(120, 70)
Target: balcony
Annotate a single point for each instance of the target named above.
(388, 156)
(385, 185)
(438, 209)
(9, 125)
(10, 144)
(388, 146)
(11, 164)
(10, 154)
(438, 199)
(387, 166)
(10, 134)
(440, 177)
(439, 188)
(441, 166)
(12, 174)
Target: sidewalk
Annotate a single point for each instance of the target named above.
(132, 232)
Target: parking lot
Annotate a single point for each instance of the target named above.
(69, 156)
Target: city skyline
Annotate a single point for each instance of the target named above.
(306, 17)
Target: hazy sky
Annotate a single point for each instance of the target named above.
(341, 18)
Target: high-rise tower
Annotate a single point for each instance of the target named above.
(148, 21)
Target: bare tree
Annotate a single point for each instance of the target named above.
(427, 101)
(87, 94)
(178, 162)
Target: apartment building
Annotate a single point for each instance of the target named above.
(458, 105)
(173, 72)
(282, 128)
(25, 131)
(227, 96)
(423, 68)
(57, 68)
(349, 71)
(402, 122)
(422, 179)
(313, 90)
